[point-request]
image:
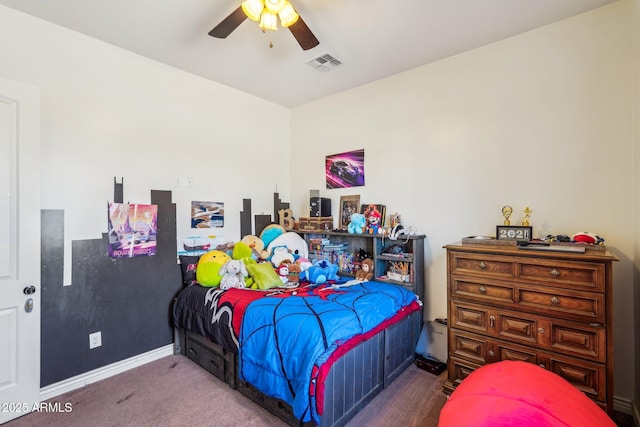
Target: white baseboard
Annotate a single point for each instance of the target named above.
(622, 405)
(104, 372)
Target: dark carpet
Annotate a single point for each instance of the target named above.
(174, 391)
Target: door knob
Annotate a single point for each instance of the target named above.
(28, 290)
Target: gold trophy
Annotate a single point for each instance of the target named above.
(506, 212)
(527, 214)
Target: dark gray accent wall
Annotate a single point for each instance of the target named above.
(128, 300)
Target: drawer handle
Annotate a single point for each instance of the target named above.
(541, 330)
(555, 300)
(542, 366)
(491, 353)
(482, 265)
(492, 320)
(554, 273)
(483, 290)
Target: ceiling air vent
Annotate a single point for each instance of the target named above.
(325, 62)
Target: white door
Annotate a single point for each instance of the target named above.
(19, 249)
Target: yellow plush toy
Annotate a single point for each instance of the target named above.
(255, 243)
(208, 271)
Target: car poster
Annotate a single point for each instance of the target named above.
(345, 170)
(132, 230)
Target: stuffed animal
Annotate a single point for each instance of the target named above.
(208, 271)
(373, 222)
(283, 272)
(357, 224)
(281, 254)
(255, 243)
(241, 251)
(270, 232)
(320, 272)
(293, 242)
(366, 271)
(233, 273)
(294, 272)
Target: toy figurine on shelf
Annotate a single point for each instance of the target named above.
(366, 271)
(374, 219)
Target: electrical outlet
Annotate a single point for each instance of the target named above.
(95, 339)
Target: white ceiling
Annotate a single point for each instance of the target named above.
(372, 38)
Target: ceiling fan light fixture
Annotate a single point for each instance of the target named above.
(288, 16)
(268, 21)
(253, 9)
(275, 6)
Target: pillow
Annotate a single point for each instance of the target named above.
(188, 265)
(208, 271)
(264, 275)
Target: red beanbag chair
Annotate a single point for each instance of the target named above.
(521, 394)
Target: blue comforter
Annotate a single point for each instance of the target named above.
(284, 336)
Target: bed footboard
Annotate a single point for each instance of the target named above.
(356, 377)
(352, 382)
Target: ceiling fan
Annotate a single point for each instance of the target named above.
(267, 13)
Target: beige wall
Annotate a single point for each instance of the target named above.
(110, 113)
(542, 119)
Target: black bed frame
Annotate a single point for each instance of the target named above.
(353, 380)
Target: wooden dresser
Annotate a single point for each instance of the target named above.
(549, 308)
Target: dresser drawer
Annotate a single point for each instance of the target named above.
(547, 333)
(471, 349)
(586, 376)
(565, 274)
(482, 290)
(582, 306)
(481, 265)
(457, 370)
(483, 350)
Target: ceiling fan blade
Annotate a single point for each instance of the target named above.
(303, 34)
(228, 24)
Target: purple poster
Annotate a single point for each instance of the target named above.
(345, 169)
(132, 230)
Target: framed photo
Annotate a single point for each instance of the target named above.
(348, 206)
(513, 232)
(377, 211)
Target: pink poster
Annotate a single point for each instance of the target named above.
(132, 230)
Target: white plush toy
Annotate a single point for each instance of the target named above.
(233, 273)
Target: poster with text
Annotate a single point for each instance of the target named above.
(207, 214)
(345, 170)
(132, 230)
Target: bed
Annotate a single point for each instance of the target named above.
(312, 355)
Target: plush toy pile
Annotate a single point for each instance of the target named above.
(275, 258)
